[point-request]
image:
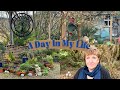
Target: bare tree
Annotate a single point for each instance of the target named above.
(42, 22)
(11, 32)
(4, 27)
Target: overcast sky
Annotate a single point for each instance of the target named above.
(3, 13)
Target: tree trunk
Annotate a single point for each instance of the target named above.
(11, 32)
(34, 19)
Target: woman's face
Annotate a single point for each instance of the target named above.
(91, 61)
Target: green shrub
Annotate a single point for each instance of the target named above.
(63, 67)
(2, 47)
(11, 56)
(41, 65)
(32, 61)
(63, 54)
(25, 66)
(5, 65)
(39, 58)
(49, 59)
(45, 71)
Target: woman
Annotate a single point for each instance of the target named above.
(93, 68)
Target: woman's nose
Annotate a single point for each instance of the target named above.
(91, 60)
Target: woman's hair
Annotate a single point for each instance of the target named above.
(92, 51)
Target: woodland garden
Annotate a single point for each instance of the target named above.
(18, 60)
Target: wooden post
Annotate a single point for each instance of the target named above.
(64, 30)
(111, 29)
(79, 31)
(49, 25)
(63, 27)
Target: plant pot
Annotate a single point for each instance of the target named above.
(31, 72)
(1, 65)
(51, 66)
(11, 71)
(18, 73)
(24, 59)
(1, 70)
(47, 64)
(5, 69)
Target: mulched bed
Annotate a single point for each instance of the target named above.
(53, 74)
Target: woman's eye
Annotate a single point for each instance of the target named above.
(88, 57)
(94, 57)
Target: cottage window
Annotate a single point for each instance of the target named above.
(107, 20)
